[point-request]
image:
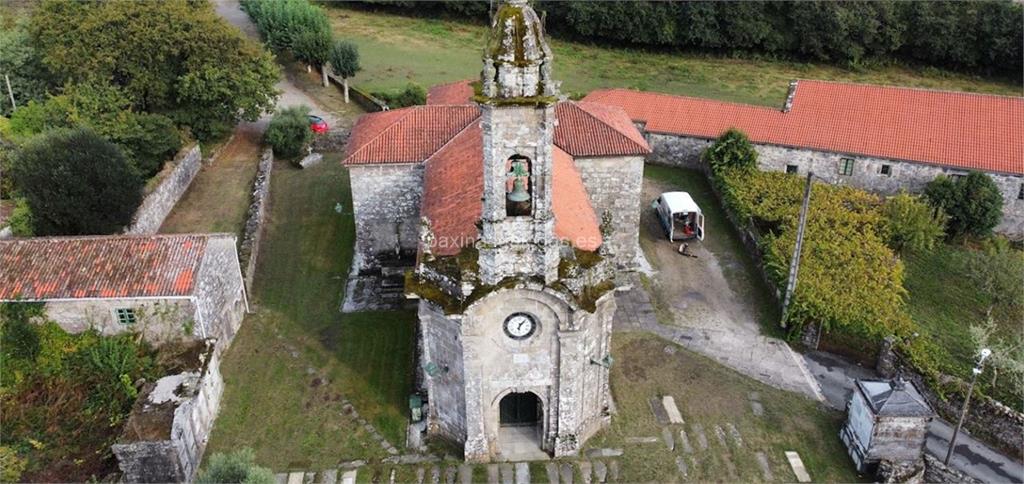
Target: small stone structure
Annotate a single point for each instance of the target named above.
(157, 204)
(166, 288)
(886, 419)
(166, 433)
(248, 252)
(987, 419)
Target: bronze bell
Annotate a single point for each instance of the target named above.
(518, 193)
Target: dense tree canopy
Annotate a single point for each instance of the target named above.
(970, 36)
(973, 203)
(731, 150)
(76, 183)
(909, 223)
(173, 57)
(20, 62)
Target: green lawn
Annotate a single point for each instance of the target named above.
(395, 50)
(709, 395)
(298, 356)
(723, 241)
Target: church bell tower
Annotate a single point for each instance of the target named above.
(517, 102)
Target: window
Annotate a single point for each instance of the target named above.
(846, 166)
(790, 169)
(1020, 194)
(125, 316)
(886, 170)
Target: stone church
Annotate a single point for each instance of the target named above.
(515, 211)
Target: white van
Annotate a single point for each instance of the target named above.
(679, 215)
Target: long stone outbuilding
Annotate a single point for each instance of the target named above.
(882, 139)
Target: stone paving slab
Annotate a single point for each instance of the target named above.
(684, 442)
(720, 435)
(658, 410)
(566, 473)
(349, 477)
(281, 478)
(309, 477)
(551, 469)
(330, 476)
(641, 440)
(435, 474)
(734, 434)
(613, 470)
(493, 474)
(702, 440)
(604, 452)
(585, 471)
(449, 475)
(421, 473)
(681, 465)
(522, 473)
(766, 468)
(600, 471)
(671, 409)
(666, 436)
(797, 465)
(466, 474)
(295, 477)
(507, 474)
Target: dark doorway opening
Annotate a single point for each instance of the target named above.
(519, 410)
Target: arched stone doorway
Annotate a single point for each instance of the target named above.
(521, 427)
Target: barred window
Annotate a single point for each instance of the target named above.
(886, 170)
(791, 169)
(125, 316)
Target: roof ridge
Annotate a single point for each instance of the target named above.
(911, 88)
(613, 128)
(56, 238)
(702, 99)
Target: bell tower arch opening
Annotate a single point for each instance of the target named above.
(518, 189)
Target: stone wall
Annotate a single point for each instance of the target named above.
(167, 432)
(867, 171)
(614, 185)
(987, 419)
(220, 292)
(386, 205)
(158, 204)
(248, 252)
(158, 320)
(442, 351)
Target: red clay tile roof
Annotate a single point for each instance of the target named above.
(453, 187)
(414, 134)
(100, 267)
(458, 92)
(408, 135)
(961, 130)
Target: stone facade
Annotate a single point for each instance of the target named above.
(879, 175)
(615, 185)
(169, 427)
(214, 310)
(478, 365)
(386, 204)
(158, 204)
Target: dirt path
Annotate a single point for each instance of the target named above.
(698, 308)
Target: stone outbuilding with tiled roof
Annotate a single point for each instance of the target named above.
(164, 287)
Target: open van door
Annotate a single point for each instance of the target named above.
(700, 226)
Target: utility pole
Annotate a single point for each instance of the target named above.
(985, 352)
(794, 264)
(10, 92)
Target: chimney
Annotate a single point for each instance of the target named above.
(789, 97)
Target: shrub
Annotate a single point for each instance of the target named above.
(11, 465)
(731, 150)
(76, 183)
(20, 220)
(973, 203)
(909, 223)
(289, 133)
(235, 467)
(412, 95)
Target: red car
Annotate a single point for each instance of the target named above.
(317, 124)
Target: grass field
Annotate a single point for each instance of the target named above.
(395, 50)
(298, 356)
(722, 240)
(711, 395)
(218, 198)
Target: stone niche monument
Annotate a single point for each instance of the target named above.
(515, 328)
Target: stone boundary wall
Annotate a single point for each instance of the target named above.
(158, 204)
(685, 151)
(248, 252)
(987, 419)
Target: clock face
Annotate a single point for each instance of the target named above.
(520, 326)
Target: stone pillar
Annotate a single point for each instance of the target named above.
(886, 363)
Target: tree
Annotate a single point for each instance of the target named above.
(973, 203)
(345, 61)
(235, 467)
(289, 131)
(314, 48)
(183, 60)
(733, 150)
(909, 223)
(20, 62)
(76, 183)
